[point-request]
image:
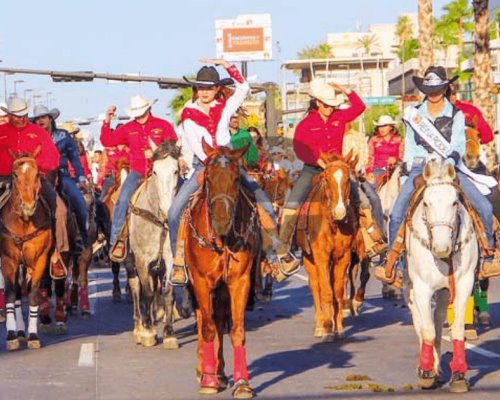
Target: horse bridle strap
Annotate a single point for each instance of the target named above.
(19, 240)
(148, 216)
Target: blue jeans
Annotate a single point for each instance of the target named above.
(120, 211)
(108, 183)
(78, 203)
(375, 204)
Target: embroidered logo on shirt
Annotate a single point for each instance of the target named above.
(156, 131)
(335, 123)
(32, 135)
(133, 133)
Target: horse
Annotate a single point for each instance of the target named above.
(150, 248)
(26, 239)
(277, 185)
(332, 227)
(221, 229)
(473, 151)
(442, 255)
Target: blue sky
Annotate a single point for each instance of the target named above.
(154, 37)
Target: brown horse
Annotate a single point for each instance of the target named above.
(330, 236)
(220, 247)
(26, 238)
(473, 147)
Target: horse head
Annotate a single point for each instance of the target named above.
(165, 172)
(472, 145)
(26, 182)
(336, 176)
(440, 206)
(222, 185)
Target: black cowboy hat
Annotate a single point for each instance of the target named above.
(208, 76)
(434, 80)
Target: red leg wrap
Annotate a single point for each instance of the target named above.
(458, 363)
(427, 357)
(2, 299)
(60, 313)
(43, 302)
(240, 370)
(208, 365)
(84, 299)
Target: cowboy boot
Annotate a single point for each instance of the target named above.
(57, 267)
(84, 301)
(388, 274)
(490, 266)
(2, 305)
(373, 236)
(118, 251)
(44, 306)
(178, 274)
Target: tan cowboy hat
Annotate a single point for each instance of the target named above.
(138, 106)
(16, 106)
(385, 120)
(70, 127)
(325, 93)
(2, 107)
(40, 111)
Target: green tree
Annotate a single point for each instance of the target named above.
(373, 113)
(454, 24)
(407, 44)
(367, 43)
(322, 50)
(181, 97)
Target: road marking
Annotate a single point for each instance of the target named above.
(86, 358)
(476, 349)
(302, 277)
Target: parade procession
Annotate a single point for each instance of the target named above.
(266, 199)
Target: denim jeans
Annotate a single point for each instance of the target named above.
(120, 211)
(375, 203)
(260, 196)
(108, 183)
(301, 187)
(78, 203)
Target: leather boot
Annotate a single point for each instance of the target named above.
(373, 236)
(490, 266)
(178, 275)
(388, 274)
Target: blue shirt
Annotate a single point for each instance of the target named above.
(412, 149)
(68, 150)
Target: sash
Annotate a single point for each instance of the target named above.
(427, 131)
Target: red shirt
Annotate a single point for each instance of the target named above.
(380, 149)
(136, 136)
(470, 111)
(26, 140)
(113, 155)
(313, 136)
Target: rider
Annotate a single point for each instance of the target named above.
(69, 153)
(207, 117)
(240, 138)
(322, 130)
(20, 136)
(137, 135)
(450, 123)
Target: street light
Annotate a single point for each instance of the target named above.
(15, 85)
(26, 91)
(36, 97)
(48, 99)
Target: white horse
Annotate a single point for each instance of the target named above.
(150, 248)
(442, 255)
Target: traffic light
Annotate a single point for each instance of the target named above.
(85, 76)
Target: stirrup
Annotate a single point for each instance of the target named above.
(121, 256)
(396, 279)
(175, 282)
(280, 273)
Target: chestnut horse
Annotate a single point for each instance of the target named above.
(331, 234)
(25, 238)
(221, 229)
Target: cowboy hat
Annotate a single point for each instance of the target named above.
(434, 80)
(16, 106)
(69, 127)
(2, 107)
(325, 93)
(138, 106)
(40, 111)
(277, 150)
(385, 120)
(208, 76)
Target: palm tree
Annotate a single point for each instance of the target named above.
(182, 96)
(367, 43)
(425, 54)
(407, 45)
(482, 70)
(322, 50)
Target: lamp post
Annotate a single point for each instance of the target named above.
(15, 85)
(26, 91)
(36, 97)
(48, 99)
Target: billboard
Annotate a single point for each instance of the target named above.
(246, 38)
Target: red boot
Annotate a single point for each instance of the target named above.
(84, 301)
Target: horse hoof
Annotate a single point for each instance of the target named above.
(13, 344)
(242, 390)
(85, 315)
(21, 335)
(208, 390)
(170, 343)
(427, 379)
(148, 341)
(328, 338)
(60, 328)
(339, 335)
(45, 328)
(117, 297)
(319, 332)
(34, 344)
(136, 336)
(356, 306)
(459, 384)
(346, 312)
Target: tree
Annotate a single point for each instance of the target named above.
(182, 96)
(322, 50)
(482, 71)
(407, 44)
(425, 54)
(367, 43)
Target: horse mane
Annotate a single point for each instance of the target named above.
(167, 148)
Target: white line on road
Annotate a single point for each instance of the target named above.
(475, 349)
(86, 358)
(304, 278)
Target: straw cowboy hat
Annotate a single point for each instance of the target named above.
(208, 76)
(325, 93)
(385, 120)
(16, 106)
(41, 111)
(2, 107)
(138, 106)
(434, 80)
(69, 127)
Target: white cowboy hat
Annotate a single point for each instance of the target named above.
(385, 120)
(277, 150)
(325, 93)
(16, 106)
(40, 111)
(138, 106)
(2, 107)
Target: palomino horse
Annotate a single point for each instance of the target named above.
(26, 238)
(442, 255)
(327, 242)
(150, 248)
(221, 230)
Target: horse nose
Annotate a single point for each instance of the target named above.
(442, 252)
(339, 213)
(28, 209)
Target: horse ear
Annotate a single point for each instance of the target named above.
(37, 151)
(450, 171)
(152, 144)
(428, 171)
(207, 149)
(12, 154)
(237, 154)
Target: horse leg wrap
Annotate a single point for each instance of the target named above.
(240, 370)
(480, 300)
(43, 302)
(84, 299)
(2, 298)
(458, 363)
(60, 313)
(426, 357)
(208, 365)
(32, 324)
(11, 318)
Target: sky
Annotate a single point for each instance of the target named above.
(158, 38)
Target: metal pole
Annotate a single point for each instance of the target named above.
(244, 69)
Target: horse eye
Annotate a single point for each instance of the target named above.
(455, 204)
(154, 172)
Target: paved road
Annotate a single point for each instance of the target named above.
(97, 359)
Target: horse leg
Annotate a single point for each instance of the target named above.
(364, 276)
(440, 313)
(319, 330)
(21, 326)
(2, 296)
(9, 271)
(44, 294)
(169, 339)
(338, 277)
(268, 287)
(221, 319)
(135, 291)
(458, 363)
(148, 332)
(117, 293)
(83, 266)
(60, 313)
(185, 302)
